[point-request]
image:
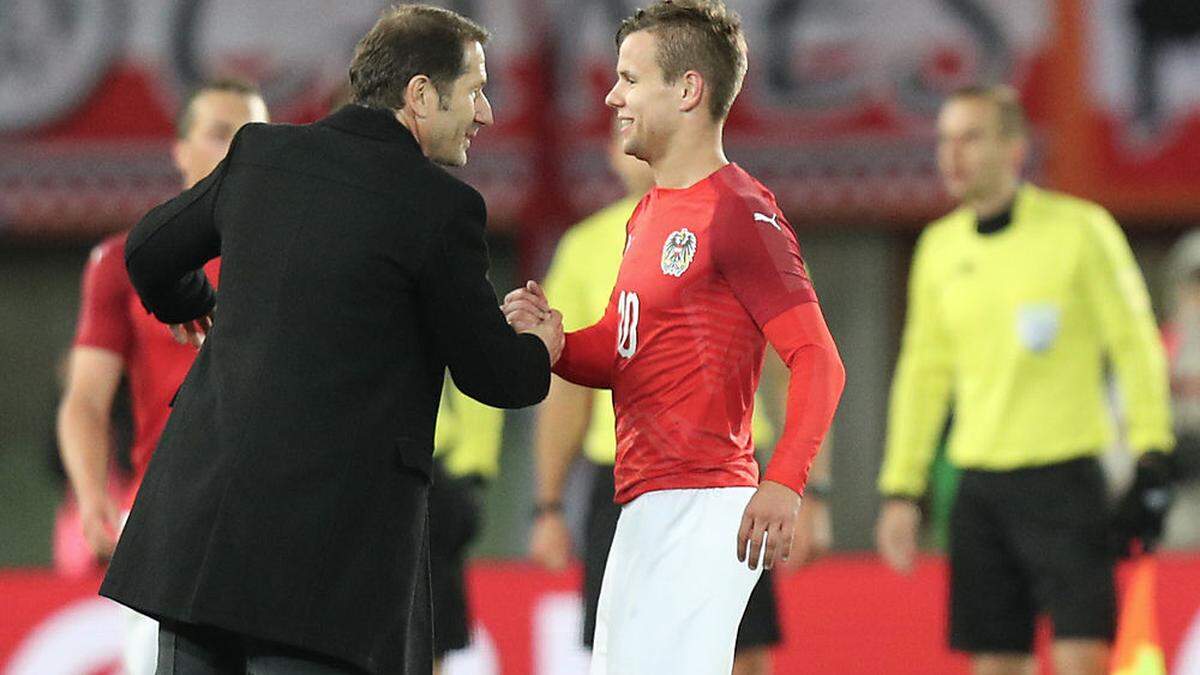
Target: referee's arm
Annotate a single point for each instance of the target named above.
(920, 397)
(1119, 301)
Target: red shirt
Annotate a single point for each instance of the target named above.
(705, 268)
(111, 317)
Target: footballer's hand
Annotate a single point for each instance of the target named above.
(896, 534)
(192, 332)
(550, 541)
(101, 522)
(814, 534)
(550, 331)
(770, 515)
(525, 307)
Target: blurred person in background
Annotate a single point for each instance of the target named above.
(1016, 299)
(115, 337)
(74, 556)
(1182, 336)
(282, 525)
(575, 418)
(466, 457)
(711, 273)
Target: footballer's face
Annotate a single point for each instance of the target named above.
(647, 108)
(214, 118)
(977, 161)
(446, 133)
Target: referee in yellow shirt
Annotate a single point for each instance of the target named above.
(581, 279)
(466, 456)
(1016, 301)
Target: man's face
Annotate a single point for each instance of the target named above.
(216, 117)
(635, 175)
(446, 133)
(647, 107)
(976, 160)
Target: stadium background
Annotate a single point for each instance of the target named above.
(836, 118)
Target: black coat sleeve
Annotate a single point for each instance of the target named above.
(488, 360)
(166, 251)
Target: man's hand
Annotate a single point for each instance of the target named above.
(771, 514)
(550, 542)
(193, 332)
(101, 523)
(525, 307)
(896, 534)
(527, 311)
(814, 534)
(1140, 512)
(550, 330)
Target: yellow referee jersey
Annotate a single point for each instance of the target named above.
(1017, 324)
(578, 284)
(468, 434)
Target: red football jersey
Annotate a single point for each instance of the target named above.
(111, 317)
(705, 268)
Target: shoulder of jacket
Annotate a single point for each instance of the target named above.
(453, 192)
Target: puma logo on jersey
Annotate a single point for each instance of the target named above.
(773, 219)
(678, 252)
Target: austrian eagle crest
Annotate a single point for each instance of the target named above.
(678, 252)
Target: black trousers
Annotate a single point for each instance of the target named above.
(187, 649)
(454, 518)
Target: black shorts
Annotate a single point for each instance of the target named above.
(1030, 542)
(760, 623)
(454, 505)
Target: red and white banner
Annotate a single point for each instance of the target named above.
(847, 615)
(1129, 137)
(836, 115)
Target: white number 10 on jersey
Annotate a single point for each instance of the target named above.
(627, 307)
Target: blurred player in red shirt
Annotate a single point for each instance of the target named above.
(711, 273)
(116, 336)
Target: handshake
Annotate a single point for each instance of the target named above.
(527, 311)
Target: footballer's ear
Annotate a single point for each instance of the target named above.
(691, 91)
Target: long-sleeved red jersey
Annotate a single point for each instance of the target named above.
(709, 273)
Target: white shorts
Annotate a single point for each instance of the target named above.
(673, 591)
(139, 653)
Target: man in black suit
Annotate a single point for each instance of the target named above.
(282, 524)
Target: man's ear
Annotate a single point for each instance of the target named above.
(1019, 152)
(420, 96)
(692, 91)
(178, 153)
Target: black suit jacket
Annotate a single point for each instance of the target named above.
(287, 497)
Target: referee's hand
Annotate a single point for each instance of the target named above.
(896, 534)
(770, 515)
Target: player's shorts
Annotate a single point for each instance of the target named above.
(1029, 542)
(139, 648)
(674, 591)
(760, 622)
(453, 524)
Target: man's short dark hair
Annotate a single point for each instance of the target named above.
(411, 40)
(1006, 101)
(700, 35)
(232, 85)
